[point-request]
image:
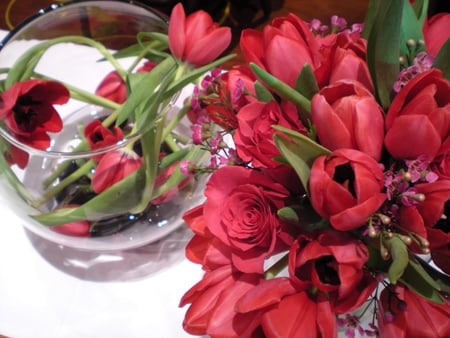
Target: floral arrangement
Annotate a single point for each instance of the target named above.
(124, 161)
(326, 208)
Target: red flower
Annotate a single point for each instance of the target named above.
(253, 138)
(196, 39)
(441, 163)
(232, 90)
(436, 32)
(79, 228)
(346, 187)
(345, 59)
(282, 48)
(173, 192)
(212, 304)
(240, 211)
(113, 86)
(334, 264)
(288, 312)
(112, 168)
(204, 248)
(405, 314)
(418, 120)
(346, 115)
(99, 136)
(27, 110)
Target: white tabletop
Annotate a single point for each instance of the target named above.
(50, 291)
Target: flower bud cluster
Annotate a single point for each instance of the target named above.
(421, 63)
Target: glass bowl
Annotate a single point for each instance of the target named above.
(115, 24)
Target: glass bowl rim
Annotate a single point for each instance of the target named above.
(91, 152)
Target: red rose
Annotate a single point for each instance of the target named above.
(333, 263)
(240, 211)
(346, 115)
(254, 136)
(416, 317)
(114, 167)
(282, 48)
(212, 302)
(418, 120)
(345, 188)
(196, 39)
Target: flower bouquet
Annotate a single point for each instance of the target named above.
(326, 210)
(112, 163)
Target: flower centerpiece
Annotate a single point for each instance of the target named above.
(115, 160)
(326, 210)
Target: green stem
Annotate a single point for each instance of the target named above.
(80, 172)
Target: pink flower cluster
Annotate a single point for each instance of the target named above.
(282, 259)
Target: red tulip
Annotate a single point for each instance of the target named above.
(288, 312)
(282, 48)
(418, 120)
(436, 31)
(346, 187)
(27, 110)
(79, 228)
(213, 299)
(346, 115)
(411, 316)
(333, 263)
(196, 39)
(113, 86)
(113, 167)
(99, 136)
(344, 59)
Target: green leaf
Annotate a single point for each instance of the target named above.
(143, 89)
(118, 199)
(262, 94)
(417, 279)
(411, 28)
(300, 152)
(440, 278)
(282, 89)
(371, 14)
(421, 10)
(306, 82)
(400, 258)
(442, 60)
(383, 48)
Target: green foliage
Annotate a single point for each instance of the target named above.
(299, 151)
(442, 60)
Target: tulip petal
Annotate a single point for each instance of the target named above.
(176, 33)
(422, 137)
(285, 59)
(209, 47)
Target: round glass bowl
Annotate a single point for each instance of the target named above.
(115, 225)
